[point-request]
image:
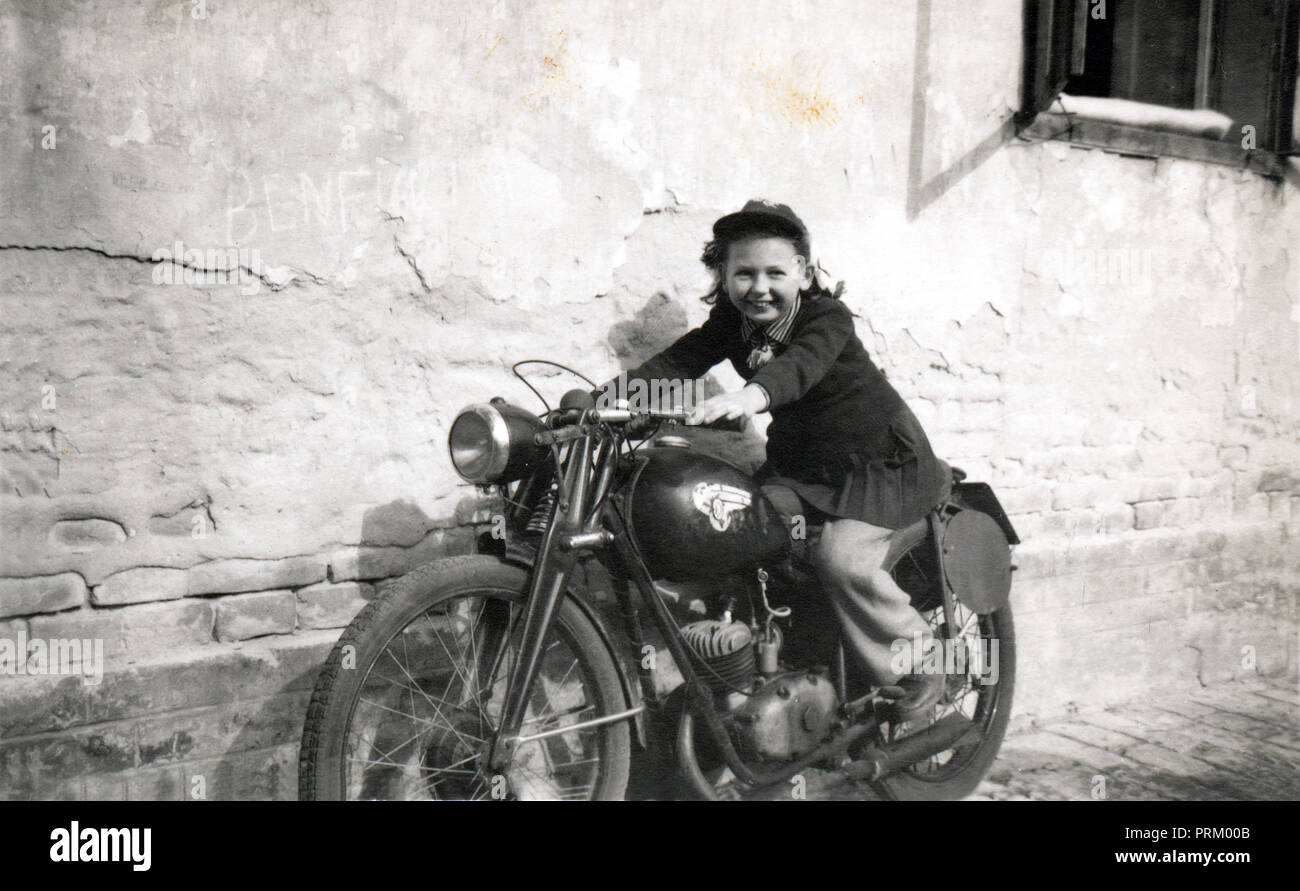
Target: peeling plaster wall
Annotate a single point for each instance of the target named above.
(211, 477)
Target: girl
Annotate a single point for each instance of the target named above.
(841, 438)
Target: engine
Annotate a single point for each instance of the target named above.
(776, 715)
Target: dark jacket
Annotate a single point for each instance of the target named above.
(834, 415)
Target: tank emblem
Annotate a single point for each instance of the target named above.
(718, 502)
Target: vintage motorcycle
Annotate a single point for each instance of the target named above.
(499, 675)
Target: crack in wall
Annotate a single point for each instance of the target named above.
(271, 283)
(403, 252)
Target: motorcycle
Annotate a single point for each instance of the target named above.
(498, 674)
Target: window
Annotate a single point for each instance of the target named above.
(1213, 80)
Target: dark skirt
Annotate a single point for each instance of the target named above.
(892, 482)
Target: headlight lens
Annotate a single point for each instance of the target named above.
(492, 443)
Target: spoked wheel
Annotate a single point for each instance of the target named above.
(409, 700)
(981, 693)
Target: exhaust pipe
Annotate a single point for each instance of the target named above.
(949, 732)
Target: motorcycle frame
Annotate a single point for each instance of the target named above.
(587, 517)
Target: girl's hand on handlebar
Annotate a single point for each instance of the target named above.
(750, 400)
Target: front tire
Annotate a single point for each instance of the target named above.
(410, 697)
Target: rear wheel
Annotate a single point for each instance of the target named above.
(410, 698)
(982, 694)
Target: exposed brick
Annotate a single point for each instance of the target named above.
(1150, 514)
(1256, 507)
(1173, 576)
(238, 574)
(1158, 488)
(1280, 479)
(41, 594)
(1202, 487)
(41, 703)
(80, 536)
(141, 585)
(1115, 584)
(1117, 518)
(27, 762)
(980, 416)
(1036, 594)
(134, 633)
(187, 521)
(208, 677)
(1092, 554)
(1218, 596)
(1025, 500)
(365, 563)
(399, 523)
(327, 605)
(1279, 505)
(1234, 457)
(1083, 493)
(1069, 524)
(1032, 561)
(221, 730)
(254, 615)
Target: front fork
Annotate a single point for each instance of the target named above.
(547, 587)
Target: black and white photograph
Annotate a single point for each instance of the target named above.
(560, 400)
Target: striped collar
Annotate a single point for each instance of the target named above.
(778, 331)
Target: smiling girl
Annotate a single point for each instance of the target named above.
(841, 438)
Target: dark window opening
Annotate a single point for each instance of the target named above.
(1236, 57)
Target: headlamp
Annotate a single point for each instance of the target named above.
(493, 442)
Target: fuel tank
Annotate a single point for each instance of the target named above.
(695, 515)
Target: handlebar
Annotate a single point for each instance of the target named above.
(575, 428)
(623, 415)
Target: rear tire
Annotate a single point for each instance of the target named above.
(957, 772)
(411, 695)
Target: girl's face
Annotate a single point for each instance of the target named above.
(763, 276)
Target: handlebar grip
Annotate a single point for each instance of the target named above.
(728, 425)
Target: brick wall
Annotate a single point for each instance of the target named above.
(212, 478)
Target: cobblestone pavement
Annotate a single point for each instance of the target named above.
(1231, 741)
(1238, 740)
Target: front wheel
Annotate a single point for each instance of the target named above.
(410, 698)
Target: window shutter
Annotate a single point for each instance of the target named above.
(1055, 31)
(1285, 87)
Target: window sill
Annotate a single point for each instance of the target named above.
(1126, 139)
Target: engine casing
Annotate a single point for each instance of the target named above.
(787, 718)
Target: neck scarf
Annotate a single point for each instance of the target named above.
(762, 337)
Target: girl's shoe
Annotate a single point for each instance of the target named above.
(920, 693)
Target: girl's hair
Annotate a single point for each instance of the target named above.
(716, 251)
